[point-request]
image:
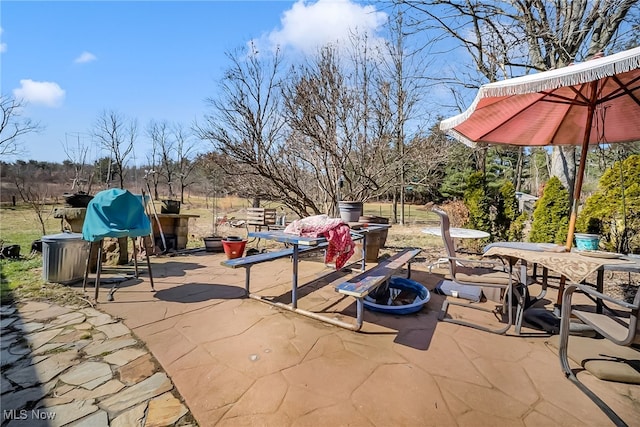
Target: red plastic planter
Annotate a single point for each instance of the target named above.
(233, 249)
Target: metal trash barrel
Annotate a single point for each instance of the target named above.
(64, 257)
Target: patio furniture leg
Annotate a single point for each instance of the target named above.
(86, 271)
(565, 323)
(364, 252)
(447, 303)
(359, 313)
(247, 275)
(294, 286)
(146, 241)
(135, 256)
(98, 270)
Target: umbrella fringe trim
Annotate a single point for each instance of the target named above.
(567, 76)
(613, 64)
(585, 76)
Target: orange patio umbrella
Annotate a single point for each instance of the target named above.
(590, 103)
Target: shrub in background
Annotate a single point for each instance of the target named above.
(457, 211)
(605, 206)
(478, 203)
(505, 225)
(516, 229)
(551, 214)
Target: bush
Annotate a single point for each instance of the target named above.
(479, 204)
(457, 211)
(605, 207)
(516, 229)
(550, 216)
(505, 225)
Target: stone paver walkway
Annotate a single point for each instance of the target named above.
(65, 366)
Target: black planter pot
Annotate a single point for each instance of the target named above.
(213, 244)
(170, 207)
(78, 200)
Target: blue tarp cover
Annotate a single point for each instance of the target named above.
(115, 213)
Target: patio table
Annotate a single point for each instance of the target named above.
(574, 265)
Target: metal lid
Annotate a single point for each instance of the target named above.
(62, 236)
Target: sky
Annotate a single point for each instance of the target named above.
(69, 62)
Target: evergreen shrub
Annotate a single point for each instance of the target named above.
(605, 207)
(551, 214)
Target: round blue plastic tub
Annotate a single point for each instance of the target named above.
(401, 284)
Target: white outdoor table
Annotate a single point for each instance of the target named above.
(455, 233)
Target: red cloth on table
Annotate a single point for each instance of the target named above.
(337, 233)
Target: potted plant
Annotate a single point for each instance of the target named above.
(590, 240)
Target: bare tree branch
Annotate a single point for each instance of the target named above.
(118, 135)
(13, 126)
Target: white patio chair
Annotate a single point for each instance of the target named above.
(490, 275)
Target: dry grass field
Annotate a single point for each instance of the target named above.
(20, 225)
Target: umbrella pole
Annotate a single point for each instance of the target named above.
(579, 177)
(576, 195)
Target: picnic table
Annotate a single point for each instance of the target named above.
(297, 245)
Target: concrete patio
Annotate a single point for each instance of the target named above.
(237, 361)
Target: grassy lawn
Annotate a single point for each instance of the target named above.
(20, 226)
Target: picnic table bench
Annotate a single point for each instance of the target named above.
(249, 261)
(365, 283)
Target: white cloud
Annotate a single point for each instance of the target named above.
(3, 46)
(49, 94)
(307, 26)
(85, 57)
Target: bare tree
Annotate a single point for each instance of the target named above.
(505, 38)
(429, 156)
(246, 125)
(77, 156)
(152, 177)
(13, 126)
(34, 194)
(342, 126)
(185, 150)
(295, 139)
(401, 81)
(117, 134)
(318, 106)
(163, 153)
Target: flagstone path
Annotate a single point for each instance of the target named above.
(64, 366)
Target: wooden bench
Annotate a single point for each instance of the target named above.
(365, 283)
(261, 217)
(248, 261)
